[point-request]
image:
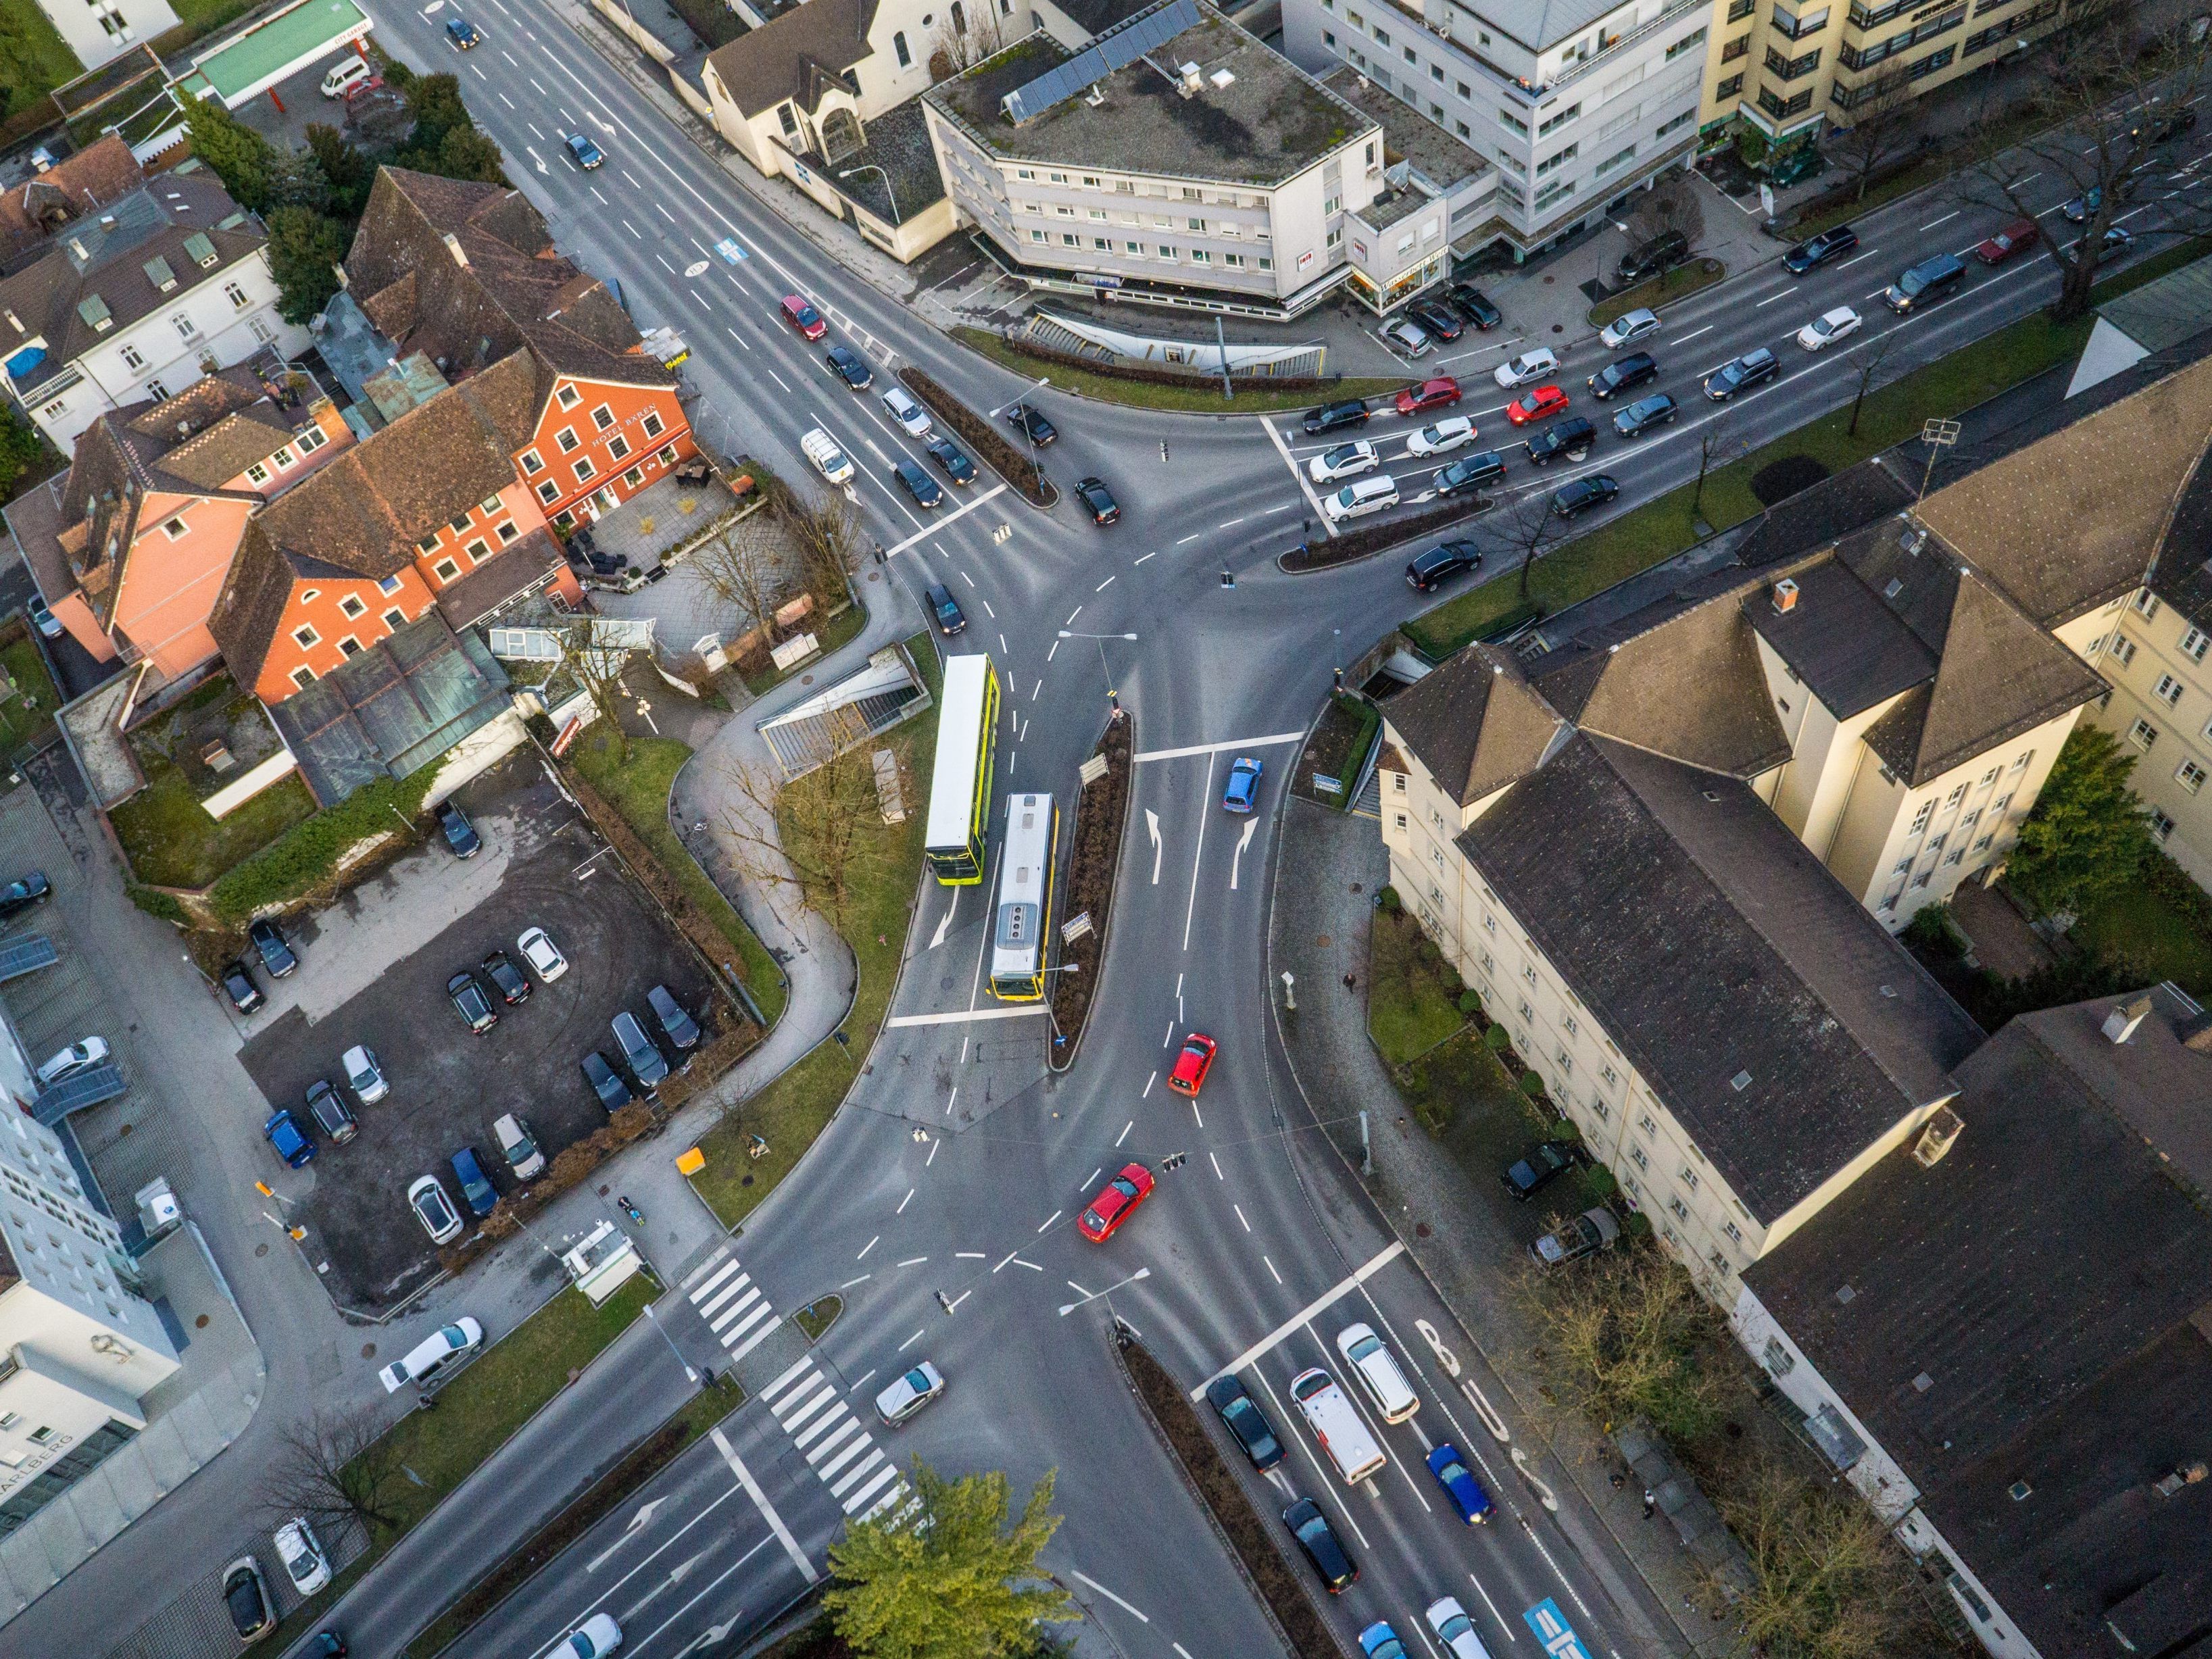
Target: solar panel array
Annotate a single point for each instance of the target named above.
(1098, 60)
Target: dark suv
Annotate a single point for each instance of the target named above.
(1623, 375)
(1830, 244)
(1665, 249)
(1572, 501)
(1525, 1177)
(1318, 1540)
(1334, 417)
(1445, 559)
(1441, 322)
(1476, 305)
(1469, 472)
(1746, 372)
(1571, 437)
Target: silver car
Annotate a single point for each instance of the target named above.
(909, 1393)
(363, 1075)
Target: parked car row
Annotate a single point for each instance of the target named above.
(641, 1058)
(1441, 317)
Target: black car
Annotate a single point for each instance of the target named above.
(245, 1599)
(23, 894)
(460, 835)
(1334, 417)
(1469, 472)
(1474, 305)
(1240, 1415)
(1571, 437)
(678, 1026)
(1548, 1159)
(918, 484)
(1318, 1540)
(606, 1082)
(471, 1002)
(851, 368)
(276, 951)
(1645, 413)
(1572, 501)
(328, 1108)
(949, 618)
(2160, 128)
(237, 985)
(1441, 322)
(1669, 249)
(1445, 559)
(1032, 421)
(1623, 375)
(1831, 244)
(1746, 372)
(950, 456)
(1097, 499)
(513, 985)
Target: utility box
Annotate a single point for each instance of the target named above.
(602, 1261)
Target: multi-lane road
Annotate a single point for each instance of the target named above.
(941, 1202)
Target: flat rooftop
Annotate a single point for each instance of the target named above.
(1270, 122)
(1445, 162)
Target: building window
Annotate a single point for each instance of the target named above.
(549, 492)
(1639, 1158)
(2123, 649)
(395, 619)
(635, 477)
(2168, 690)
(585, 471)
(568, 397)
(1689, 42)
(351, 606)
(898, 46)
(654, 425)
(1778, 1359)
(1783, 108)
(567, 438)
(303, 678)
(182, 323)
(2161, 826)
(1999, 804)
(257, 474)
(1982, 843)
(665, 454)
(478, 552)
(532, 462)
(389, 586)
(1513, 122)
(350, 647)
(1734, 1233)
(306, 638)
(2191, 776)
(1688, 1177)
(1920, 818)
(238, 297)
(1551, 123)
(445, 570)
(2146, 603)
(1731, 88)
(509, 531)
(310, 440)
(2142, 734)
(618, 446)
(132, 359)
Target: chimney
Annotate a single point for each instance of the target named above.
(453, 247)
(1190, 80)
(2120, 1024)
(1785, 597)
(1936, 1138)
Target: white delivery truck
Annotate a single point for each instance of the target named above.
(1342, 1435)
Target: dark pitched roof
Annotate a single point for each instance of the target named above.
(1734, 972)
(2049, 1279)
(1475, 722)
(2070, 521)
(468, 273)
(799, 56)
(528, 563)
(1851, 649)
(32, 212)
(2181, 575)
(251, 607)
(1099, 15)
(1825, 512)
(213, 457)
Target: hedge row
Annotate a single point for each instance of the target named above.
(1197, 375)
(308, 853)
(1327, 553)
(1101, 811)
(990, 446)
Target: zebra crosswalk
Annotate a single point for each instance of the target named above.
(735, 1308)
(864, 1483)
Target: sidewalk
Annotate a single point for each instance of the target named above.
(1335, 862)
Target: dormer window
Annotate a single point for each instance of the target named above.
(96, 315)
(257, 474)
(200, 250)
(175, 530)
(489, 504)
(568, 397)
(158, 273)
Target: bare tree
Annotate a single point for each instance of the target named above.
(966, 39)
(1885, 115)
(1866, 363)
(1670, 205)
(1717, 445)
(599, 666)
(337, 1469)
(1628, 1335)
(2111, 92)
(747, 565)
(1528, 527)
(820, 834)
(827, 531)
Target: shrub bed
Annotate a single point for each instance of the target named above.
(1232, 1508)
(1327, 553)
(1198, 374)
(990, 445)
(1100, 811)
(307, 853)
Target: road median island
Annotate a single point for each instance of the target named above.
(704, 1409)
(1678, 283)
(1174, 394)
(1025, 476)
(1102, 813)
(1371, 539)
(1236, 1518)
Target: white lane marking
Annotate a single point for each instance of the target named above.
(1104, 586)
(1125, 1606)
(957, 1016)
(1049, 1219)
(964, 507)
(848, 1285)
(1359, 1276)
(1271, 1269)
(1945, 219)
(909, 1342)
(970, 1255)
(1492, 1605)
(913, 1262)
(1239, 1208)
(935, 1147)
(1855, 259)
(1197, 853)
(903, 1202)
(938, 938)
(1217, 748)
(767, 1510)
(1152, 825)
(1154, 554)
(1217, 1175)
(1155, 1077)
(865, 1247)
(1236, 860)
(1297, 472)
(1327, 1477)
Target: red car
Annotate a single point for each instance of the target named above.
(1192, 1065)
(803, 317)
(1116, 1202)
(1440, 393)
(2019, 233)
(1540, 404)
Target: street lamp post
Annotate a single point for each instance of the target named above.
(870, 167)
(1037, 466)
(1113, 697)
(689, 1371)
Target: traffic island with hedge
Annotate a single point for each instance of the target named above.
(1331, 551)
(984, 439)
(1102, 811)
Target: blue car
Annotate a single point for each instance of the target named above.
(476, 1191)
(289, 1139)
(584, 152)
(462, 33)
(1466, 1492)
(1244, 786)
(1379, 1641)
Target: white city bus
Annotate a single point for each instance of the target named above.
(960, 783)
(1020, 935)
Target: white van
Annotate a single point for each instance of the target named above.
(434, 1356)
(821, 449)
(1336, 1425)
(345, 75)
(1377, 1369)
(1359, 497)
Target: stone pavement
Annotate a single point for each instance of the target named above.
(1334, 863)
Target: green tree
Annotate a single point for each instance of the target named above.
(304, 247)
(295, 180)
(949, 1581)
(2087, 835)
(434, 100)
(469, 153)
(240, 156)
(22, 453)
(351, 172)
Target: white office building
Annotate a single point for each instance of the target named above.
(98, 30)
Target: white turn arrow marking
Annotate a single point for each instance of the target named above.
(938, 938)
(1153, 824)
(640, 1519)
(536, 157)
(675, 1575)
(713, 1636)
(1236, 857)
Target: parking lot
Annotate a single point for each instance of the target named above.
(374, 970)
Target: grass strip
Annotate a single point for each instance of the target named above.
(1339, 746)
(626, 796)
(1016, 467)
(1102, 811)
(705, 1409)
(1679, 284)
(1200, 397)
(839, 631)
(171, 840)
(1226, 1499)
(793, 1109)
(1412, 993)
